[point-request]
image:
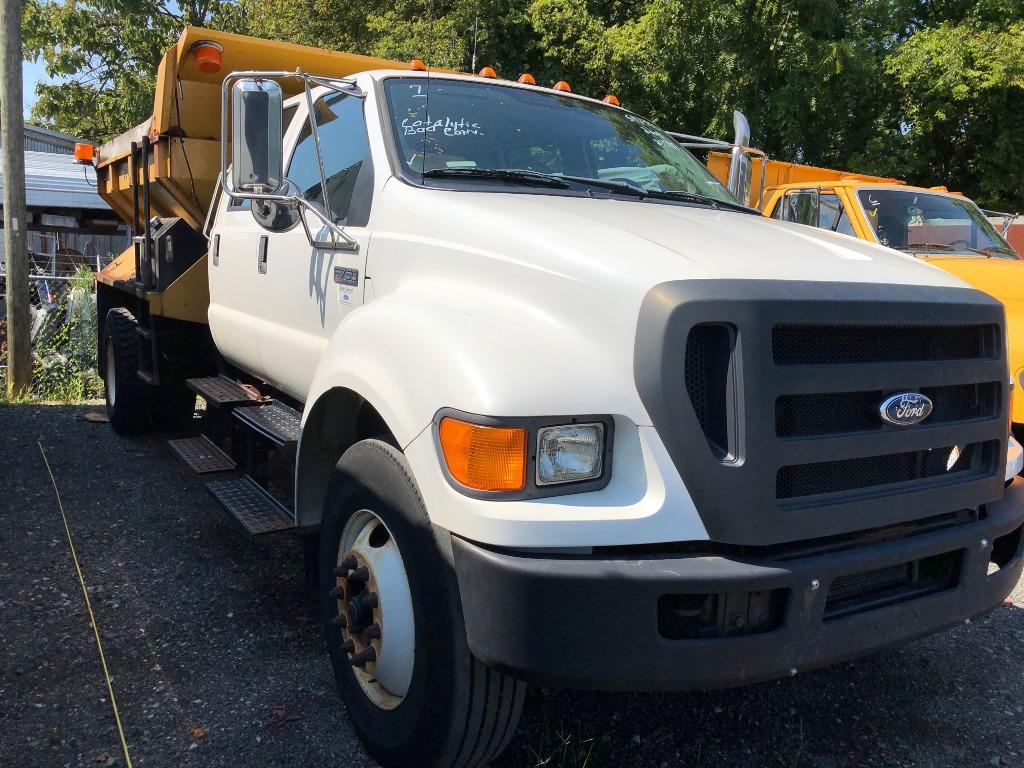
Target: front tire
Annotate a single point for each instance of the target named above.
(390, 604)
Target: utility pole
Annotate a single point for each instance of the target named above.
(12, 135)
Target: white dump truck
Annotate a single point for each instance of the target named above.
(547, 404)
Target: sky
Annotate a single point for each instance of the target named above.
(32, 73)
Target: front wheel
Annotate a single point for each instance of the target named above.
(394, 626)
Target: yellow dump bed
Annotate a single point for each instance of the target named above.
(184, 129)
(778, 173)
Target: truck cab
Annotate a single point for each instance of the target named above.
(548, 405)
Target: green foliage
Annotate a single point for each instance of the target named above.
(928, 91)
(102, 56)
(65, 348)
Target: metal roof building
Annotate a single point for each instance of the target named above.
(66, 215)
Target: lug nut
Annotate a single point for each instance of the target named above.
(341, 621)
(363, 657)
(372, 600)
(338, 593)
(347, 646)
(372, 632)
(360, 574)
(349, 562)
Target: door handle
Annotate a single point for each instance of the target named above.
(261, 264)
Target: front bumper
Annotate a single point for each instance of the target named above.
(593, 622)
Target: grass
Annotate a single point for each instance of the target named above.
(562, 748)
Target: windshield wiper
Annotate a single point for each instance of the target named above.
(530, 178)
(698, 197)
(925, 247)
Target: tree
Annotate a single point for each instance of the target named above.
(102, 56)
(960, 111)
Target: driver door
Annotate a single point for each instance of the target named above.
(306, 291)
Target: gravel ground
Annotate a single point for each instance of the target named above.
(216, 657)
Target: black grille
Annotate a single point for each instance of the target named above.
(839, 412)
(837, 476)
(709, 350)
(838, 344)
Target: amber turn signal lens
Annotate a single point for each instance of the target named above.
(527, 79)
(484, 458)
(417, 65)
(561, 85)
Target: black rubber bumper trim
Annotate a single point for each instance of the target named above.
(588, 622)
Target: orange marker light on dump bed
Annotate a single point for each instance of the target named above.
(417, 65)
(611, 99)
(83, 154)
(561, 85)
(208, 56)
(484, 458)
(527, 79)
(487, 72)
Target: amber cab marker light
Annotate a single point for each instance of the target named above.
(612, 99)
(527, 79)
(484, 458)
(487, 72)
(208, 56)
(417, 65)
(561, 85)
(83, 153)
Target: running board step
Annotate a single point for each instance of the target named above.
(220, 391)
(202, 454)
(250, 505)
(274, 420)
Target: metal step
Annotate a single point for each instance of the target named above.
(253, 507)
(202, 454)
(274, 420)
(220, 391)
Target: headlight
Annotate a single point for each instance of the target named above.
(569, 453)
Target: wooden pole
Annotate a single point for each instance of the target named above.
(12, 136)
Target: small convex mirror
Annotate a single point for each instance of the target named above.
(256, 136)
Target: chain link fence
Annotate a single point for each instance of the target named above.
(63, 324)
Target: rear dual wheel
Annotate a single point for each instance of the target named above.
(394, 626)
(134, 407)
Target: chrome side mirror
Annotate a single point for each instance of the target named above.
(257, 147)
(740, 165)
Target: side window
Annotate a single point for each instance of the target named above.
(346, 160)
(833, 215)
(801, 206)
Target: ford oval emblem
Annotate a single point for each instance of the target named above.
(905, 408)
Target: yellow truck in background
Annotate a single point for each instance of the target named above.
(941, 227)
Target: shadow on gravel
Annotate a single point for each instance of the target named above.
(217, 660)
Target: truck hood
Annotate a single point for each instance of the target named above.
(1002, 278)
(654, 242)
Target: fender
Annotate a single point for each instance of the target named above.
(427, 346)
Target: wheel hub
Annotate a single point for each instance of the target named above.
(374, 610)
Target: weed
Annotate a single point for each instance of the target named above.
(561, 748)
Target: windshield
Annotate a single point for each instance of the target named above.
(929, 224)
(477, 125)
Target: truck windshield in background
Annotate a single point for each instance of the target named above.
(454, 124)
(922, 223)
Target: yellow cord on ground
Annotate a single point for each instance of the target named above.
(88, 607)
